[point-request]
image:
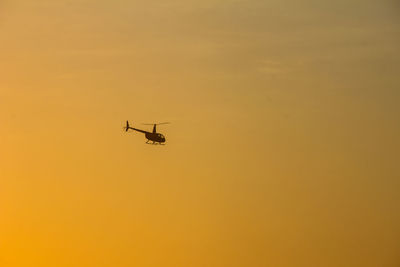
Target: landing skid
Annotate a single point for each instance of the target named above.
(154, 143)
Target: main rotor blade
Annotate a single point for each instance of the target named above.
(156, 123)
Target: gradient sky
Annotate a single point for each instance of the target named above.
(283, 149)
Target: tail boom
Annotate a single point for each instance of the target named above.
(129, 127)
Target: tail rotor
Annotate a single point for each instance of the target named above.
(127, 127)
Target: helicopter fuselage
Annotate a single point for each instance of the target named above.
(155, 137)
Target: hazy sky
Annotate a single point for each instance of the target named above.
(283, 148)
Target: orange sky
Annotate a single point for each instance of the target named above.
(283, 148)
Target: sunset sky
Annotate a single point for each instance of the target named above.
(283, 148)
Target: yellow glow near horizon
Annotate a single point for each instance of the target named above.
(283, 147)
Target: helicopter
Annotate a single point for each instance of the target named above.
(157, 138)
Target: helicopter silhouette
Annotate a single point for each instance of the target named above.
(157, 138)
